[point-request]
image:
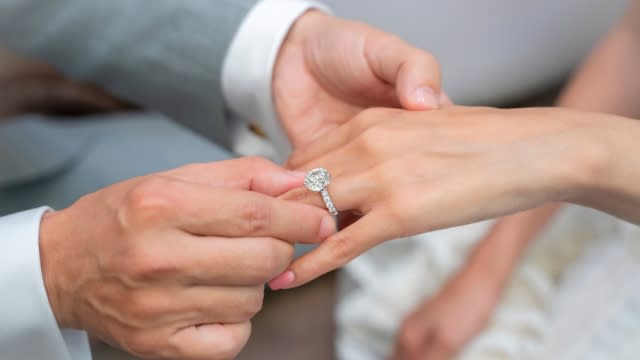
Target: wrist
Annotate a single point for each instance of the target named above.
(50, 261)
(487, 267)
(608, 181)
(584, 160)
(307, 24)
(480, 275)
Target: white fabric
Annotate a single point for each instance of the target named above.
(247, 70)
(532, 321)
(596, 313)
(29, 329)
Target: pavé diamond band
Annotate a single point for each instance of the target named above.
(317, 181)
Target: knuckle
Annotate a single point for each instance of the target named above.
(149, 201)
(274, 259)
(267, 265)
(371, 140)
(252, 303)
(255, 216)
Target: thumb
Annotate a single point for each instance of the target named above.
(413, 72)
(274, 180)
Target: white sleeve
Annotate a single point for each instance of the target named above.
(248, 66)
(29, 329)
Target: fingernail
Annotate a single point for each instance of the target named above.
(327, 227)
(282, 281)
(426, 97)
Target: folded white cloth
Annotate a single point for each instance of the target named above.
(596, 312)
(380, 288)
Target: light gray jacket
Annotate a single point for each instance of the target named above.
(165, 55)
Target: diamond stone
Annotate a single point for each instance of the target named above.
(317, 179)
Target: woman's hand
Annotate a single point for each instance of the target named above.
(411, 172)
(443, 325)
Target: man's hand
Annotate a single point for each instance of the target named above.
(173, 265)
(329, 69)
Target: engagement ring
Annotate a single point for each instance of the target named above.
(317, 181)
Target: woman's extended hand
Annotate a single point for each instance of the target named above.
(410, 172)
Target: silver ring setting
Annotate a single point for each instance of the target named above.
(318, 180)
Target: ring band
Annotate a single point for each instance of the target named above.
(328, 202)
(318, 180)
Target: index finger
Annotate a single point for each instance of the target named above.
(204, 210)
(223, 212)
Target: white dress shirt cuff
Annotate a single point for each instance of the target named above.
(29, 329)
(248, 67)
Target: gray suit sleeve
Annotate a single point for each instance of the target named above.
(165, 55)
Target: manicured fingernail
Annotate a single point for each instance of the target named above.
(426, 97)
(282, 281)
(327, 227)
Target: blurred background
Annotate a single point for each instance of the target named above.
(493, 51)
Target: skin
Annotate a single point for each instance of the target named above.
(608, 81)
(172, 265)
(441, 326)
(406, 173)
(330, 69)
